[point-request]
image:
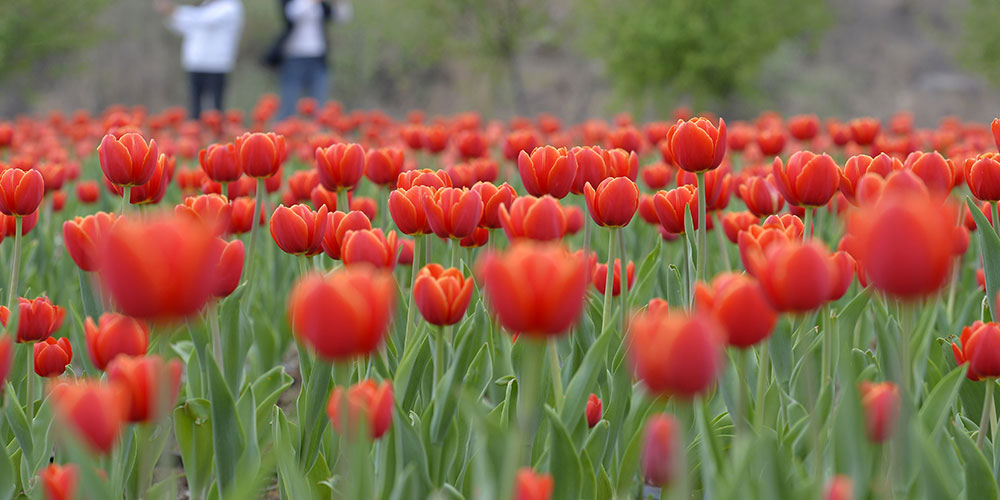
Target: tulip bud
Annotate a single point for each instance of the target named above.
(260, 155)
(59, 481)
(150, 383)
(808, 179)
(662, 452)
(39, 318)
(614, 202)
(546, 171)
(230, 268)
(128, 160)
(368, 404)
(220, 162)
(840, 487)
(696, 145)
(442, 295)
(340, 166)
(593, 411)
(493, 198)
(21, 192)
(600, 277)
(51, 356)
(881, 404)
(453, 212)
(530, 485)
(298, 230)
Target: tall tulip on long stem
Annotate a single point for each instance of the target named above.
(702, 234)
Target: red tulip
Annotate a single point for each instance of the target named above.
(740, 306)
(453, 212)
(493, 198)
(159, 269)
(546, 171)
(906, 244)
(260, 155)
(383, 165)
(53, 176)
(696, 145)
(535, 289)
(676, 355)
(735, 222)
(51, 356)
(936, 172)
(212, 210)
(8, 224)
(479, 237)
(808, 180)
(442, 295)
(368, 403)
(87, 192)
(803, 127)
(230, 268)
(530, 485)
(541, 219)
(83, 237)
(242, 215)
(864, 130)
(434, 179)
(128, 160)
(593, 411)
(647, 211)
(20, 192)
(95, 412)
(369, 246)
(771, 141)
(220, 162)
(662, 450)
(407, 209)
(298, 230)
(980, 347)
(717, 186)
(404, 246)
(518, 141)
(115, 334)
(995, 127)
(796, 276)
(599, 276)
(435, 138)
(845, 268)
(150, 383)
(840, 487)
(614, 202)
(364, 204)
(593, 165)
(982, 174)
(857, 166)
(338, 224)
(761, 196)
(301, 184)
(6, 348)
(325, 315)
(657, 175)
(670, 206)
(881, 404)
(321, 196)
(38, 319)
(59, 481)
(340, 166)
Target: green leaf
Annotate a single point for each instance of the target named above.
(675, 289)
(645, 278)
(979, 481)
(293, 481)
(227, 433)
(582, 384)
(990, 246)
(193, 428)
(941, 399)
(444, 394)
(7, 475)
(18, 422)
(564, 461)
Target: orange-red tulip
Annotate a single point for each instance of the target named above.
(676, 355)
(771, 140)
(670, 206)
(857, 166)
(369, 246)
(406, 207)
(84, 236)
(260, 155)
(541, 219)
(114, 334)
(493, 198)
(546, 171)
(367, 402)
(614, 202)
(796, 276)
(38, 319)
(301, 184)
(298, 230)
(982, 174)
(735, 222)
(840, 487)
(662, 450)
(51, 356)
(150, 383)
(980, 347)
(128, 160)
(761, 195)
(593, 410)
(383, 165)
(518, 141)
(59, 481)
(325, 313)
(442, 295)
(864, 130)
(881, 404)
(220, 162)
(808, 179)
(95, 412)
(453, 212)
(599, 276)
(6, 348)
(530, 485)
(230, 268)
(338, 224)
(159, 269)
(87, 192)
(717, 186)
(803, 127)
(213, 210)
(740, 306)
(536, 289)
(20, 192)
(657, 175)
(936, 172)
(242, 215)
(340, 166)
(696, 145)
(434, 179)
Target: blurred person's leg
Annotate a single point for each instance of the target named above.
(197, 87)
(217, 89)
(292, 79)
(319, 79)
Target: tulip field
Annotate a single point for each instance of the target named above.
(353, 306)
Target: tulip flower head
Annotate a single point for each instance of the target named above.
(881, 404)
(442, 295)
(84, 237)
(539, 219)
(59, 481)
(453, 212)
(676, 355)
(114, 334)
(808, 180)
(95, 412)
(980, 347)
(740, 306)
(20, 192)
(369, 404)
(697, 145)
(613, 202)
(298, 230)
(593, 410)
(546, 171)
(127, 160)
(150, 383)
(340, 166)
(530, 485)
(662, 450)
(51, 356)
(260, 155)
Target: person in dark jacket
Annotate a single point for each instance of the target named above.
(301, 51)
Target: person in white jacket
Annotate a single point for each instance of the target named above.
(211, 37)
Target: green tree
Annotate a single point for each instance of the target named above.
(34, 30)
(705, 49)
(980, 39)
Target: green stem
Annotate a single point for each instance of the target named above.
(605, 318)
(763, 366)
(743, 358)
(213, 323)
(225, 189)
(987, 409)
(721, 236)
(529, 381)
(418, 253)
(126, 199)
(454, 251)
(824, 374)
(343, 204)
(438, 354)
(249, 266)
(624, 280)
(688, 275)
(557, 385)
(807, 224)
(996, 220)
(15, 266)
(29, 394)
(702, 229)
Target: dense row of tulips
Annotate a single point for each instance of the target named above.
(390, 341)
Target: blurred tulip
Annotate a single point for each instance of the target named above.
(541, 219)
(87, 192)
(368, 402)
(676, 355)
(840, 487)
(59, 481)
(717, 186)
(771, 141)
(383, 165)
(734, 222)
(662, 450)
(613, 203)
(995, 128)
(518, 141)
(696, 145)
(212, 210)
(230, 268)
(937, 173)
(442, 295)
(324, 314)
(242, 215)
(433, 179)
(808, 179)
(858, 166)
(369, 246)
(363, 204)
(20, 192)
(593, 410)
(298, 230)
(340, 166)
(535, 289)
(761, 196)
(546, 171)
(128, 160)
(881, 404)
(114, 334)
(864, 130)
(599, 276)
(220, 162)
(84, 236)
(796, 276)
(151, 385)
(741, 307)
(803, 127)
(159, 269)
(656, 176)
(260, 155)
(530, 485)
(6, 349)
(453, 212)
(94, 411)
(493, 198)
(301, 184)
(51, 356)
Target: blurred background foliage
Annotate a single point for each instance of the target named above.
(574, 58)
